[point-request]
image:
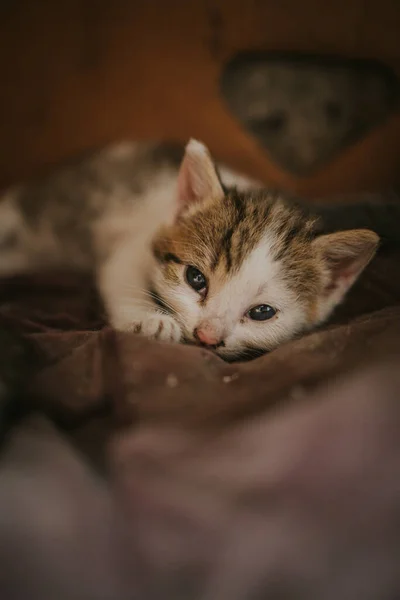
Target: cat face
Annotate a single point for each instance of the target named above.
(245, 271)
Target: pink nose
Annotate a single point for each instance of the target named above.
(207, 337)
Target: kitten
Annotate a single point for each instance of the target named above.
(179, 252)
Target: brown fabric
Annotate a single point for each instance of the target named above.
(88, 374)
(300, 502)
(300, 505)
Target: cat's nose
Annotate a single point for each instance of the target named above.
(207, 337)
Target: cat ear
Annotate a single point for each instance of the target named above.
(198, 178)
(344, 255)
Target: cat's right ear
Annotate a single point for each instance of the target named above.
(198, 179)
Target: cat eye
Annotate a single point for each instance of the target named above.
(263, 312)
(196, 279)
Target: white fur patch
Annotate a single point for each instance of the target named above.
(194, 147)
(233, 179)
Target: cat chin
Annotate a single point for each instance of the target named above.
(229, 355)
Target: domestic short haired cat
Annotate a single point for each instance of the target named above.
(181, 251)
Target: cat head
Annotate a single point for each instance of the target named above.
(246, 271)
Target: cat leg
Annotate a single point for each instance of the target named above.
(157, 326)
(122, 281)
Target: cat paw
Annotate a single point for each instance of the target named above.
(158, 327)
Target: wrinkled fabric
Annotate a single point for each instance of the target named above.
(143, 470)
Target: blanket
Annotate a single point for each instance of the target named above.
(144, 470)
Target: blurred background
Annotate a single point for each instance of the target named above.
(312, 108)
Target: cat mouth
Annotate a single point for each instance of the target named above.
(243, 355)
(229, 355)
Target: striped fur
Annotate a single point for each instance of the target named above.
(253, 248)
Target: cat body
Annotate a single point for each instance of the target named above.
(183, 251)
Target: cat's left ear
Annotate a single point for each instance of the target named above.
(198, 179)
(343, 255)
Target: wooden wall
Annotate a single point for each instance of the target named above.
(80, 73)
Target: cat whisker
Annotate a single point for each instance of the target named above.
(154, 299)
